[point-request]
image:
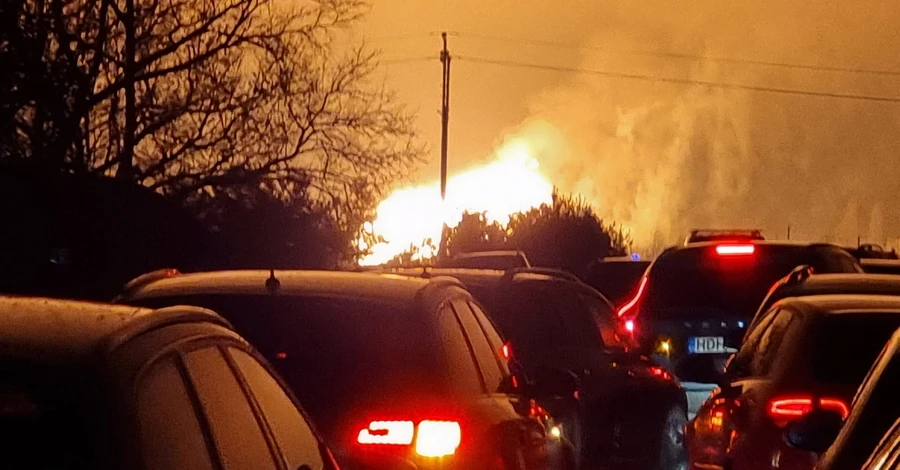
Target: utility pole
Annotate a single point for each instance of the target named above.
(445, 120)
(789, 232)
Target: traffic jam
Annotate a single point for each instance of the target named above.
(728, 351)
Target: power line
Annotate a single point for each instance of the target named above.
(407, 60)
(680, 81)
(685, 56)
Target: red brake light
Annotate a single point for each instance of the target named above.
(784, 410)
(658, 371)
(387, 433)
(735, 250)
(637, 297)
(629, 326)
(506, 351)
(432, 438)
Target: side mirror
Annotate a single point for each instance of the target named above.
(551, 382)
(814, 432)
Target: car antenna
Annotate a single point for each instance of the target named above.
(273, 285)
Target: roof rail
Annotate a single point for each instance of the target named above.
(557, 273)
(708, 235)
(799, 274)
(145, 279)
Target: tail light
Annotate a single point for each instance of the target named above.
(783, 410)
(506, 351)
(432, 438)
(630, 305)
(735, 250)
(629, 326)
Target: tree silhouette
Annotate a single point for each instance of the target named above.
(191, 98)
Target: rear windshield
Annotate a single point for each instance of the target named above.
(334, 353)
(540, 318)
(51, 419)
(697, 282)
(617, 281)
(847, 345)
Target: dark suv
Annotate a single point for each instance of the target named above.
(631, 412)
(102, 387)
(397, 372)
(694, 302)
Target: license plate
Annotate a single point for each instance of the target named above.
(706, 345)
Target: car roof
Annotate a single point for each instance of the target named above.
(474, 276)
(886, 262)
(842, 282)
(369, 285)
(784, 243)
(843, 303)
(54, 331)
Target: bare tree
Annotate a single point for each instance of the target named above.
(192, 97)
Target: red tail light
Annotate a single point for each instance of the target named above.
(658, 371)
(785, 409)
(637, 297)
(432, 438)
(506, 351)
(629, 326)
(735, 250)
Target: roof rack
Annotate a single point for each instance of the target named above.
(799, 274)
(145, 279)
(557, 273)
(708, 235)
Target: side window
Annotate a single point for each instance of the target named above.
(484, 353)
(493, 336)
(605, 319)
(581, 329)
(170, 431)
(459, 357)
(770, 342)
(749, 349)
(235, 427)
(296, 440)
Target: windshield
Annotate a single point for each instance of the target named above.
(334, 353)
(697, 282)
(48, 420)
(846, 345)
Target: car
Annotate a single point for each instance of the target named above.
(396, 372)
(887, 455)
(691, 307)
(631, 412)
(872, 416)
(95, 386)
(616, 278)
(812, 353)
(872, 251)
(803, 282)
(503, 259)
(880, 265)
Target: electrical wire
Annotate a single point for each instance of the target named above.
(679, 81)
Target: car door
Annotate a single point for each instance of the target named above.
(520, 426)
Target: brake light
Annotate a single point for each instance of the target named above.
(432, 438)
(506, 351)
(637, 297)
(629, 326)
(387, 433)
(438, 438)
(735, 250)
(658, 371)
(784, 410)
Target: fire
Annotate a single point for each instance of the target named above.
(414, 216)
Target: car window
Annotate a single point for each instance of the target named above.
(770, 342)
(235, 428)
(460, 358)
(605, 319)
(492, 334)
(170, 431)
(751, 345)
(846, 345)
(485, 355)
(293, 435)
(561, 299)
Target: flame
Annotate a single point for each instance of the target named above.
(415, 216)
